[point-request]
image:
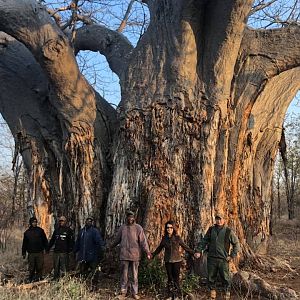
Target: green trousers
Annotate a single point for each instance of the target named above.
(215, 267)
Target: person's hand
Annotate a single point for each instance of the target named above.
(197, 255)
(149, 255)
(229, 258)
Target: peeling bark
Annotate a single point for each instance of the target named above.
(203, 101)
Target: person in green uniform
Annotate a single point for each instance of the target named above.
(222, 245)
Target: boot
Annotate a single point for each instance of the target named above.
(227, 295)
(213, 294)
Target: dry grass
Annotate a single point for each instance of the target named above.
(284, 246)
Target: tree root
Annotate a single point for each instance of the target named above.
(266, 263)
(249, 284)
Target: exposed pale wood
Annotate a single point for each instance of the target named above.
(203, 101)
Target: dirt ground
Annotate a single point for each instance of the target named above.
(285, 245)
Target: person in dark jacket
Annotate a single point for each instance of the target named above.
(63, 241)
(88, 245)
(34, 243)
(217, 242)
(171, 243)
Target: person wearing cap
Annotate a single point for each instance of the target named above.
(34, 243)
(63, 241)
(222, 245)
(132, 241)
(88, 245)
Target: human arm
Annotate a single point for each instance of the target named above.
(185, 246)
(71, 241)
(204, 242)
(44, 239)
(77, 243)
(234, 241)
(52, 240)
(117, 240)
(159, 248)
(143, 242)
(24, 246)
(98, 240)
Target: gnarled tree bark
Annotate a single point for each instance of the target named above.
(203, 101)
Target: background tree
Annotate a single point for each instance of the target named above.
(13, 188)
(197, 129)
(288, 167)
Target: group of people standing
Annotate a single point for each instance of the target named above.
(87, 248)
(220, 243)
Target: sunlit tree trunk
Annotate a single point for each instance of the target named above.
(203, 101)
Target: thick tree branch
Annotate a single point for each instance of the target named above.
(30, 23)
(113, 45)
(24, 96)
(280, 46)
(223, 31)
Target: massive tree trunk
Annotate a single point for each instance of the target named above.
(203, 101)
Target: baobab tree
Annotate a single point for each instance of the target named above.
(203, 97)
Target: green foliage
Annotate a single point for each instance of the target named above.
(152, 274)
(190, 283)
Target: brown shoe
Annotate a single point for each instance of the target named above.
(213, 294)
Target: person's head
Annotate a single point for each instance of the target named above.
(62, 221)
(130, 219)
(89, 222)
(219, 219)
(33, 221)
(170, 228)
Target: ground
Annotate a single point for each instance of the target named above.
(284, 248)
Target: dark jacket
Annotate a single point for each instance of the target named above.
(62, 239)
(88, 244)
(217, 242)
(34, 240)
(132, 241)
(171, 246)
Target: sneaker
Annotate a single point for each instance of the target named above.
(122, 295)
(213, 294)
(136, 296)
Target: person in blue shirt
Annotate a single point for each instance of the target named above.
(88, 245)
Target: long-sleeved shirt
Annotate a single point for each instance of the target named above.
(172, 245)
(88, 244)
(62, 239)
(132, 240)
(217, 242)
(34, 240)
